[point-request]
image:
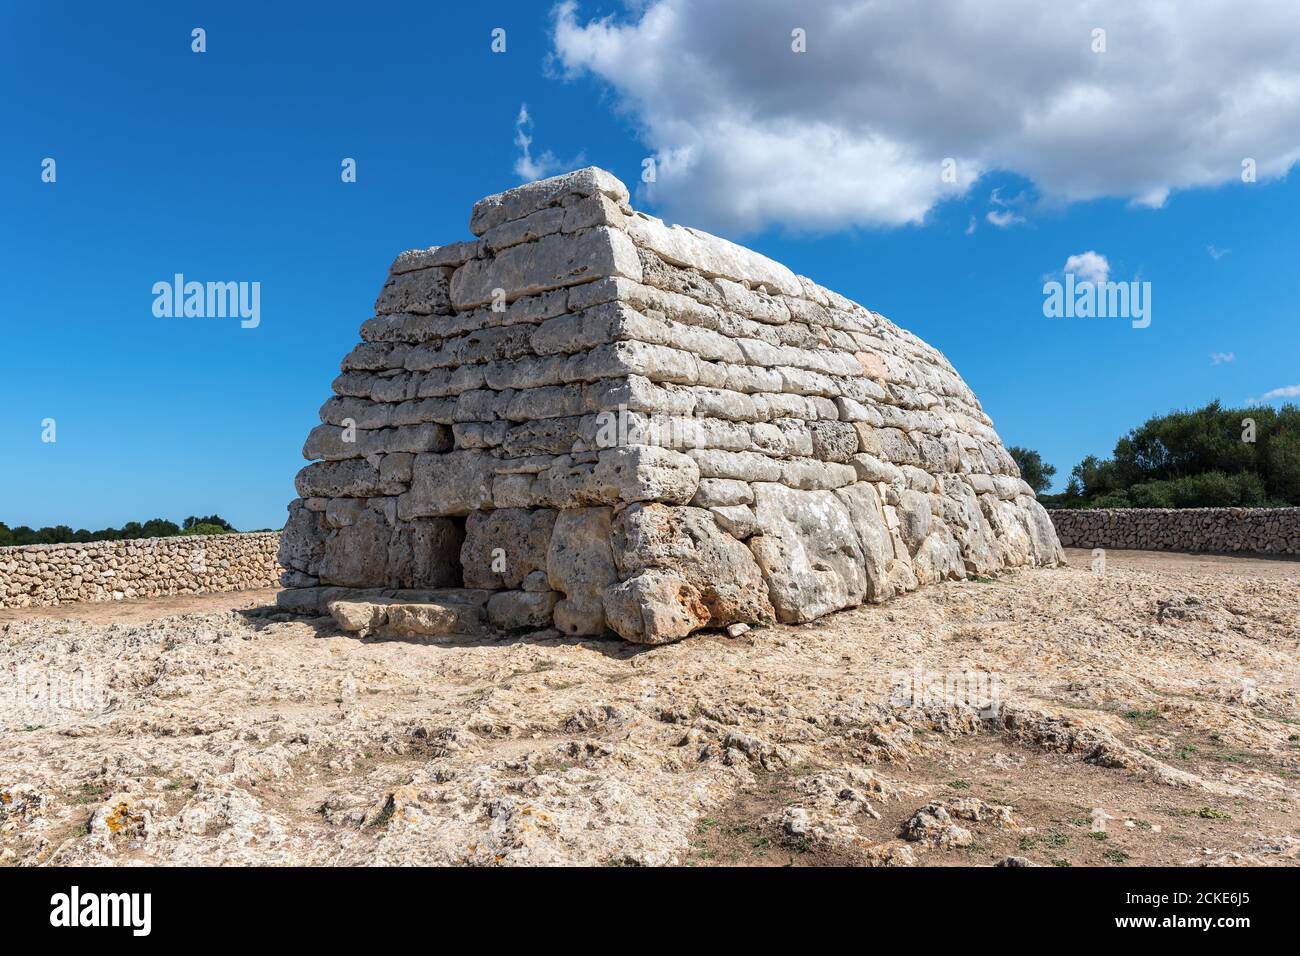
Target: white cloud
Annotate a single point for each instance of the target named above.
(526, 167)
(1005, 215)
(1216, 253)
(1286, 391)
(1219, 358)
(855, 130)
(1088, 266)
(1002, 218)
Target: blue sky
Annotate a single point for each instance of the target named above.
(225, 166)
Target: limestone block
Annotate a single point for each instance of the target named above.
(331, 443)
(655, 607)
(552, 262)
(595, 210)
(737, 520)
(808, 552)
(353, 478)
(868, 520)
(524, 200)
(443, 485)
(302, 542)
(688, 543)
(518, 609)
(504, 546)
(580, 565)
(710, 255)
(544, 436)
(834, 441)
(752, 305)
(357, 554)
(740, 466)
(543, 222)
(721, 492)
(432, 620)
(420, 292)
(624, 475)
(452, 254)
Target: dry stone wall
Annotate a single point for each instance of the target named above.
(1217, 530)
(44, 575)
(590, 418)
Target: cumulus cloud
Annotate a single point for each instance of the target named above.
(1219, 358)
(1088, 267)
(526, 167)
(896, 106)
(1286, 391)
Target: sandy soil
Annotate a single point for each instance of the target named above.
(1144, 715)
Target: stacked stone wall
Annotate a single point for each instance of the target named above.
(45, 575)
(1216, 530)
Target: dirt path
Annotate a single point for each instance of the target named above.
(1282, 568)
(1145, 715)
(143, 609)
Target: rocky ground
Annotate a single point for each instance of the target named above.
(1144, 715)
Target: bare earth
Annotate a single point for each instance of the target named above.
(1145, 715)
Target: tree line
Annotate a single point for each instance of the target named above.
(1211, 457)
(154, 528)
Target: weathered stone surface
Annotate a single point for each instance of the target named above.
(720, 492)
(580, 565)
(1224, 530)
(868, 521)
(640, 425)
(737, 520)
(808, 552)
(425, 553)
(525, 200)
(503, 547)
(421, 292)
(302, 543)
(361, 618)
(431, 620)
(552, 262)
(515, 609)
(710, 255)
(353, 552)
(454, 483)
(344, 479)
(656, 607)
(688, 542)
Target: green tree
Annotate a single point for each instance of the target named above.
(1036, 474)
(1196, 458)
(153, 528)
(217, 520)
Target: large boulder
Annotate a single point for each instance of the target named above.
(808, 552)
(703, 573)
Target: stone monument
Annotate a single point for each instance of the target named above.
(588, 419)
